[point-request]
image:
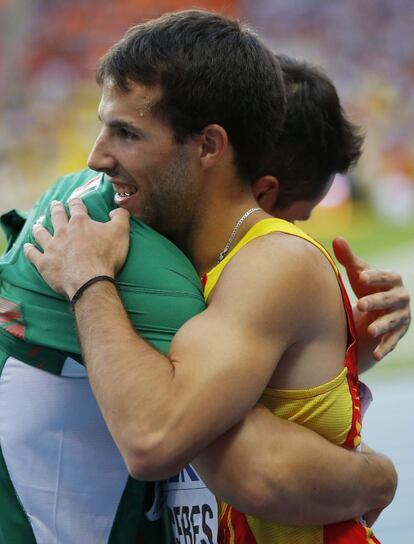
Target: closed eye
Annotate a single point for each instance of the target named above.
(126, 134)
(125, 131)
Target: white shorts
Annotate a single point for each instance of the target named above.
(65, 468)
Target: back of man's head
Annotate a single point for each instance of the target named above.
(317, 140)
(211, 69)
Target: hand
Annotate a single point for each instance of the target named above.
(80, 247)
(382, 313)
(371, 517)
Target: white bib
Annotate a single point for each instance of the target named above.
(192, 508)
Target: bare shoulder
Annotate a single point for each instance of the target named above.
(275, 259)
(269, 293)
(273, 281)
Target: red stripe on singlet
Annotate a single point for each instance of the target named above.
(234, 528)
(351, 362)
(348, 532)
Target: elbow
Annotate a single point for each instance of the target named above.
(259, 500)
(141, 467)
(268, 496)
(157, 449)
(152, 457)
(389, 484)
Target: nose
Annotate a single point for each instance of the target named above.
(100, 158)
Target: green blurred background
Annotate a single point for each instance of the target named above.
(48, 102)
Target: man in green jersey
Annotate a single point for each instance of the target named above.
(123, 195)
(66, 471)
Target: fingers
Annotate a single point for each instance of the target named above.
(77, 207)
(391, 328)
(41, 235)
(388, 343)
(346, 257)
(389, 322)
(384, 301)
(59, 219)
(58, 215)
(380, 278)
(32, 254)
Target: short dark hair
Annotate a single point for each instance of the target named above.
(317, 140)
(211, 69)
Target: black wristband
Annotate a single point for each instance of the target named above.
(87, 284)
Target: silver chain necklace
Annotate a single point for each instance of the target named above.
(235, 231)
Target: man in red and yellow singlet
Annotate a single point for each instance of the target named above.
(330, 408)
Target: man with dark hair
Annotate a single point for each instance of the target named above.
(313, 108)
(318, 140)
(211, 69)
(329, 143)
(147, 144)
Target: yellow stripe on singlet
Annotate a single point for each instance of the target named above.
(261, 228)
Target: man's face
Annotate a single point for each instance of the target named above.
(301, 210)
(152, 175)
(265, 192)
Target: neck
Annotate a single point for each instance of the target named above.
(215, 225)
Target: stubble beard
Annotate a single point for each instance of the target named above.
(171, 208)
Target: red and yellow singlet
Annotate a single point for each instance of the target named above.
(331, 409)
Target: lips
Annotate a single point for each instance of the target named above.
(123, 192)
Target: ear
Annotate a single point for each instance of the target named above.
(266, 190)
(214, 144)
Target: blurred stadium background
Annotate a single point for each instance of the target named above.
(48, 100)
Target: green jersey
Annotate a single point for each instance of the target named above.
(160, 290)
(158, 284)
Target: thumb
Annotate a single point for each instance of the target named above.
(119, 215)
(347, 257)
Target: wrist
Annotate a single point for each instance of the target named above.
(76, 295)
(75, 283)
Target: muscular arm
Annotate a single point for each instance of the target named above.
(300, 480)
(163, 411)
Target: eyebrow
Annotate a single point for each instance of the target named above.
(120, 123)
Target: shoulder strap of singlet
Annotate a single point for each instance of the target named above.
(261, 228)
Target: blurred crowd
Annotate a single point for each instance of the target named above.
(367, 48)
(48, 98)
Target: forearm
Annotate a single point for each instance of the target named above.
(130, 379)
(146, 399)
(278, 471)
